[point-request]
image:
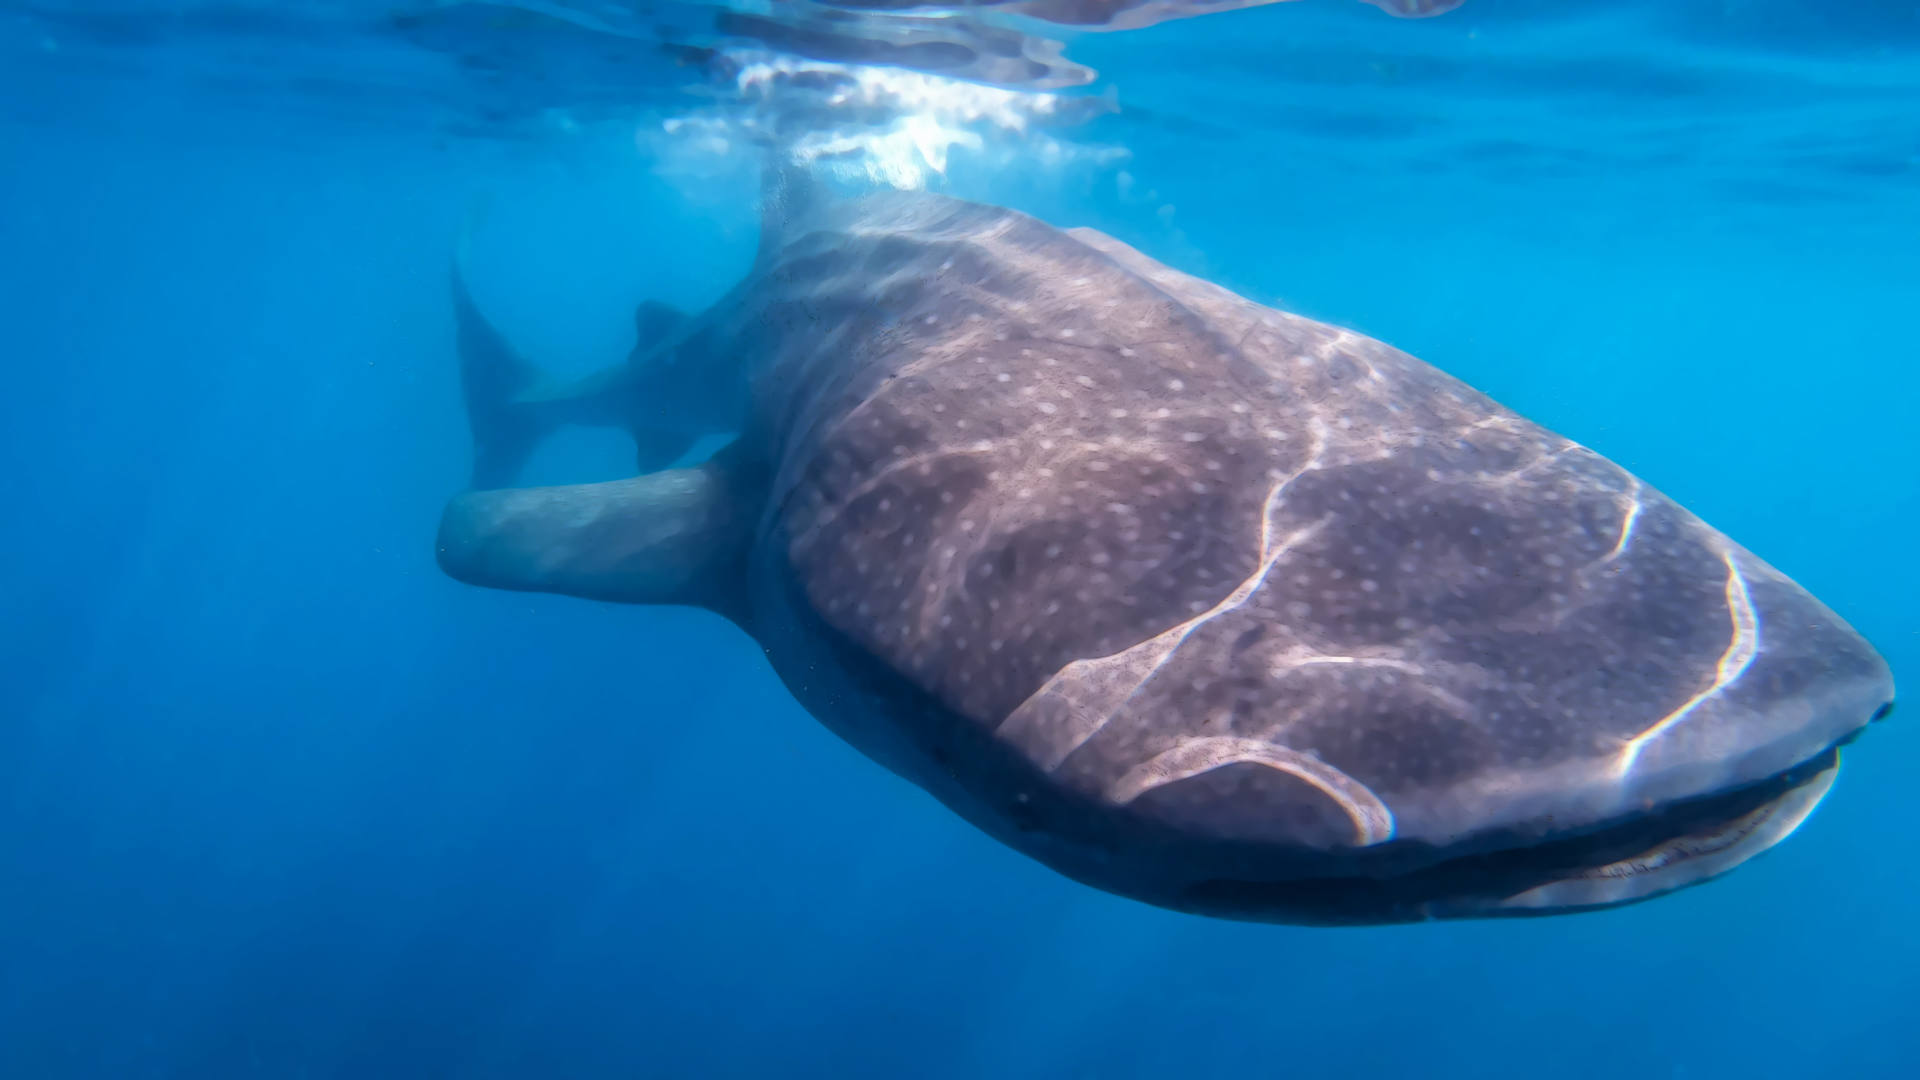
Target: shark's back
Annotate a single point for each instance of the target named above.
(1143, 529)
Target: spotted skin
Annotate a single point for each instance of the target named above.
(1251, 576)
(1194, 601)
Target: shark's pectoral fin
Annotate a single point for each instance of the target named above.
(674, 537)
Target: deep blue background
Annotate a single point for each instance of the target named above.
(278, 800)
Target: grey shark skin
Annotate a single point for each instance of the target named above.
(1195, 601)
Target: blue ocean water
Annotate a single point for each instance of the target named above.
(281, 800)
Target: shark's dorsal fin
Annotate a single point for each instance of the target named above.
(654, 321)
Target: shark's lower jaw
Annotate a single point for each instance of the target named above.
(1700, 854)
(1681, 845)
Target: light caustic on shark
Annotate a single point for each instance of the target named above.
(1742, 646)
(1428, 707)
(1119, 679)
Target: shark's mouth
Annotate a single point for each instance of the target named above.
(1703, 852)
(1683, 844)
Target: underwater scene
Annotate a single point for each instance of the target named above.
(1090, 539)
